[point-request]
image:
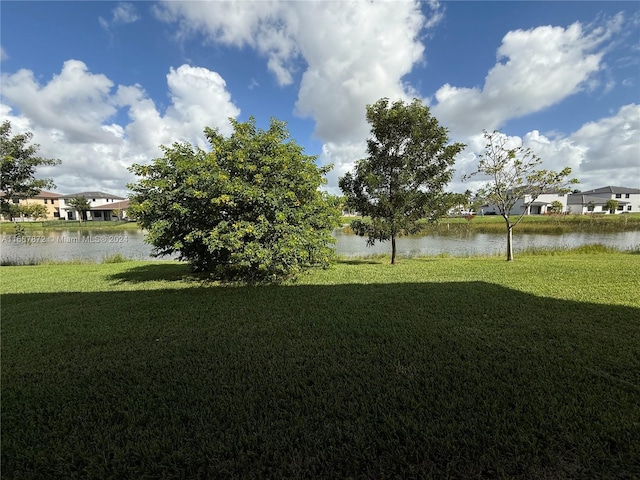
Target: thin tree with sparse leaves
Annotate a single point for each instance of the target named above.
(514, 175)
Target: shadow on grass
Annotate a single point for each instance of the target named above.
(156, 272)
(361, 261)
(417, 380)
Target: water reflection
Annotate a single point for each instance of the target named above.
(96, 245)
(469, 243)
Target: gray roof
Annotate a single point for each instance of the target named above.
(610, 189)
(582, 199)
(93, 195)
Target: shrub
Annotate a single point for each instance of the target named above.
(249, 210)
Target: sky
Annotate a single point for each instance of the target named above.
(102, 85)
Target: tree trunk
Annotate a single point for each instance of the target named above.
(509, 243)
(393, 249)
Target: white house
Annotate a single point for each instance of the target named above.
(540, 206)
(594, 201)
(103, 206)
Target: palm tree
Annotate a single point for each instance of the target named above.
(80, 205)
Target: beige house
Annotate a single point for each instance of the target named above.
(49, 199)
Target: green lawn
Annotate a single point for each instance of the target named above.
(433, 368)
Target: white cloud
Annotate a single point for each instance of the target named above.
(349, 54)
(199, 98)
(536, 68)
(75, 101)
(123, 14)
(612, 143)
(603, 152)
(342, 156)
(608, 148)
(72, 118)
(3, 55)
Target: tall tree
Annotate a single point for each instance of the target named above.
(19, 163)
(402, 179)
(515, 176)
(80, 205)
(249, 210)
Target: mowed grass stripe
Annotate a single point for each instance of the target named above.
(466, 368)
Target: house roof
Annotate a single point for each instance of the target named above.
(113, 206)
(582, 199)
(93, 195)
(42, 194)
(45, 194)
(610, 189)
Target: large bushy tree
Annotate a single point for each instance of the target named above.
(250, 209)
(18, 167)
(402, 179)
(515, 176)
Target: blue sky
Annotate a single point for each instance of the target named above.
(103, 84)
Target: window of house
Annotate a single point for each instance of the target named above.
(93, 199)
(97, 214)
(618, 195)
(626, 195)
(56, 214)
(590, 208)
(620, 208)
(561, 194)
(629, 208)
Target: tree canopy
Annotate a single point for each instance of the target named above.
(402, 179)
(17, 171)
(250, 209)
(515, 176)
(80, 205)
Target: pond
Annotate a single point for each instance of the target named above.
(97, 245)
(466, 244)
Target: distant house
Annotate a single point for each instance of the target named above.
(594, 201)
(540, 206)
(48, 199)
(113, 211)
(104, 206)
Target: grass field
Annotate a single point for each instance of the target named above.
(434, 368)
